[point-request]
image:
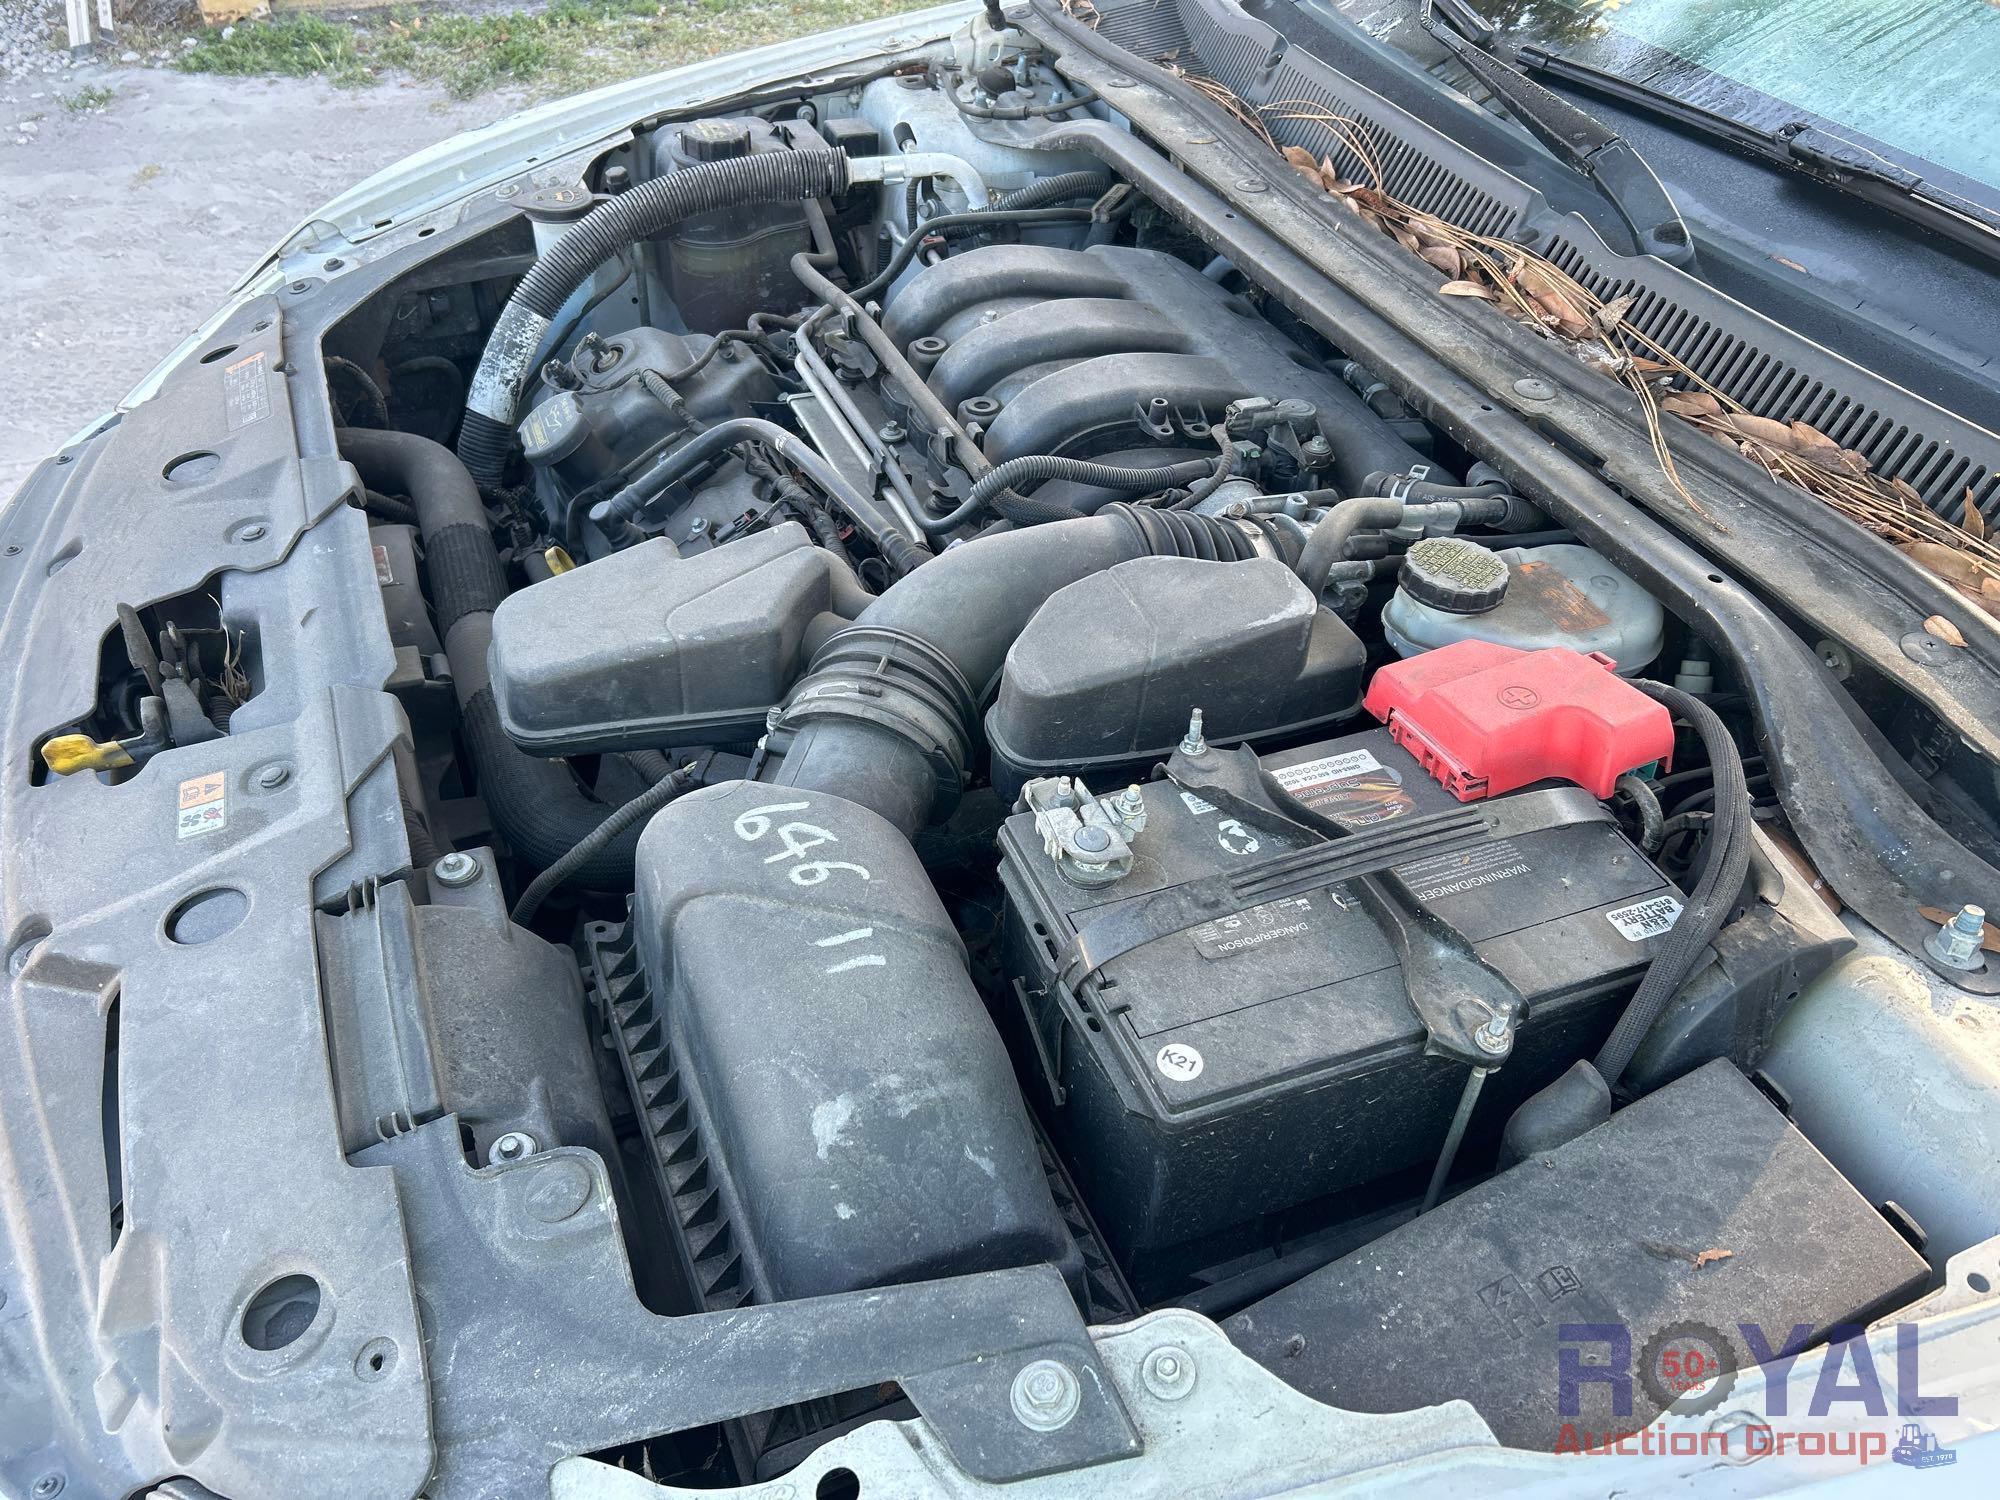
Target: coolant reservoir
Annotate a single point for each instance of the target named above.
(1452, 590)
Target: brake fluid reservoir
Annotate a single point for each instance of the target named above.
(1452, 590)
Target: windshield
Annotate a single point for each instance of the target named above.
(1915, 76)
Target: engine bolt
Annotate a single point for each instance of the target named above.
(1492, 1037)
(274, 776)
(892, 432)
(456, 869)
(1091, 839)
(511, 1146)
(1131, 800)
(48, 1487)
(1192, 743)
(1957, 943)
(1046, 1395)
(1168, 1372)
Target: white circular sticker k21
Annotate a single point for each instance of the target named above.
(1178, 1061)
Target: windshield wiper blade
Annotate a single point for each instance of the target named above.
(1580, 142)
(1813, 151)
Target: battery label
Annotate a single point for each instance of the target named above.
(1327, 769)
(1272, 922)
(1454, 874)
(1646, 919)
(1352, 787)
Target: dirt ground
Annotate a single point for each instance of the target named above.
(123, 227)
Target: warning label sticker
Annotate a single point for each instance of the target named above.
(204, 805)
(1269, 923)
(1645, 919)
(246, 395)
(1454, 874)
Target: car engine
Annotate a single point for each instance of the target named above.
(997, 708)
(946, 727)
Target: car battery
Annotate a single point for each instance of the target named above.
(1220, 1074)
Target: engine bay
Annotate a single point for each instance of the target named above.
(946, 728)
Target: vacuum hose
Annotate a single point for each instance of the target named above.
(644, 212)
(536, 803)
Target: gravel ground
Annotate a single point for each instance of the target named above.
(30, 42)
(126, 221)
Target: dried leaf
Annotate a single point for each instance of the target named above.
(1950, 564)
(1303, 159)
(1691, 404)
(1811, 441)
(1944, 630)
(1609, 316)
(1446, 258)
(1906, 491)
(1651, 366)
(1465, 289)
(1974, 523)
(1762, 430)
(1562, 314)
(1792, 263)
(1535, 279)
(1708, 1256)
(1408, 241)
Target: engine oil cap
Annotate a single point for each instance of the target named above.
(1454, 575)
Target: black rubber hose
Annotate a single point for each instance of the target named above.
(642, 213)
(1044, 192)
(971, 219)
(1652, 821)
(388, 508)
(643, 806)
(536, 803)
(1328, 543)
(962, 612)
(1060, 188)
(995, 487)
(1708, 905)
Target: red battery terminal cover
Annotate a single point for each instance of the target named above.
(1486, 719)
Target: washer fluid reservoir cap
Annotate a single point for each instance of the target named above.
(1454, 575)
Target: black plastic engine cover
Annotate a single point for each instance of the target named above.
(1226, 1073)
(1102, 679)
(647, 647)
(1695, 1210)
(856, 1108)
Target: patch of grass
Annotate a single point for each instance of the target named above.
(95, 96)
(294, 46)
(570, 46)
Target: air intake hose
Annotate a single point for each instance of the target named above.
(887, 715)
(536, 803)
(642, 213)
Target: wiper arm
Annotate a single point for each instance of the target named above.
(1583, 144)
(1811, 150)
